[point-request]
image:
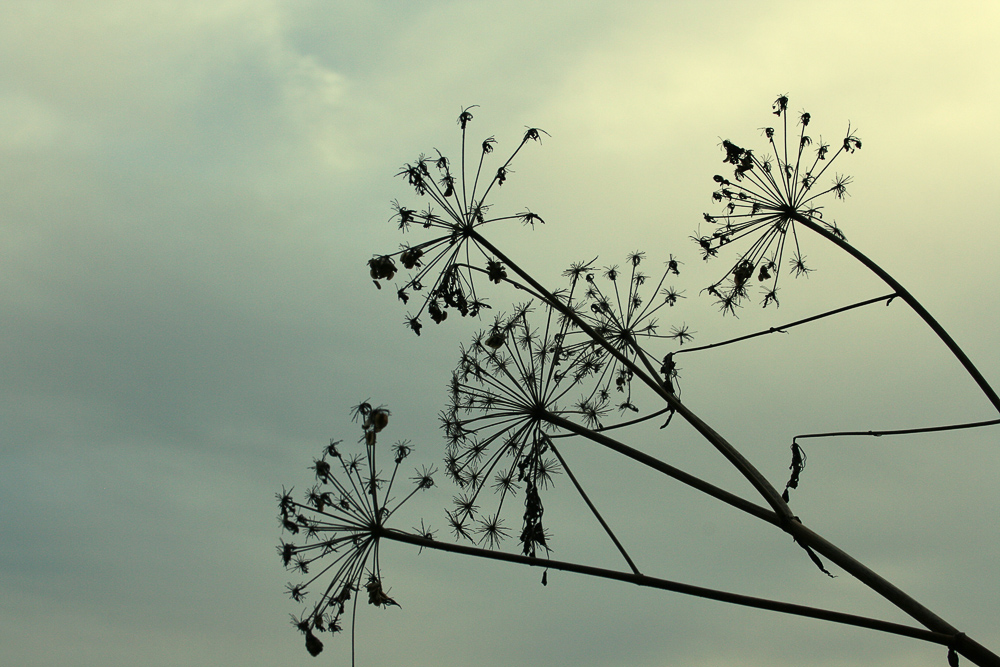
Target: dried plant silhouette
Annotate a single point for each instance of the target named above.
(586, 360)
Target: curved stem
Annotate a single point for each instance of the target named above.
(910, 300)
(945, 639)
(618, 425)
(756, 479)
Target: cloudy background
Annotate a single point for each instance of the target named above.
(189, 192)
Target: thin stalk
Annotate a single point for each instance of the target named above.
(902, 431)
(782, 328)
(593, 509)
(656, 464)
(917, 307)
(943, 639)
(756, 479)
(637, 420)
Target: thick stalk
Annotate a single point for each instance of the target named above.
(910, 300)
(756, 479)
(944, 639)
(967, 647)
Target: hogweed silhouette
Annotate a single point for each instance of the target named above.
(762, 203)
(583, 361)
(442, 267)
(336, 527)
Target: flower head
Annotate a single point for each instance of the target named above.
(620, 305)
(529, 370)
(767, 196)
(444, 266)
(512, 376)
(336, 526)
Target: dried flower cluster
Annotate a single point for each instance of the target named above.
(623, 315)
(524, 370)
(511, 377)
(445, 266)
(562, 365)
(336, 524)
(763, 202)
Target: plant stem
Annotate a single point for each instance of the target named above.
(970, 649)
(756, 479)
(793, 527)
(944, 639)
(782, 328)
(656, 464)
(787, 521)
(902, 431)
(917, 307)
(593, 509)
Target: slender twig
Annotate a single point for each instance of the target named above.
(784, 327)
(604, 429)
(593, 509)
(904, 431)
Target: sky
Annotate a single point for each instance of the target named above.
(189, 195)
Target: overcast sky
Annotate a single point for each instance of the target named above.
(190, 191)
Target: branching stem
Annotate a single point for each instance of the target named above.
(788, 522)
(756, 479)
